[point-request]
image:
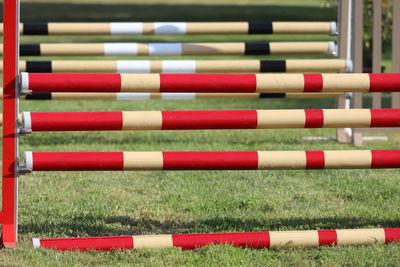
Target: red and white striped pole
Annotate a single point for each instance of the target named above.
(211, 83)
(257, 240)
(212, 160)
(212, 119)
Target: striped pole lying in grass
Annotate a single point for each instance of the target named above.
(211, 119)
(177, 28)
(186, 66)
(211, 160)
(256, 240)
(176, 49)
(210, 83)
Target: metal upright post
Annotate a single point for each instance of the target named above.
(358, 60)
(377, 48)
(8, 216)
(344, 15)
(395, 48)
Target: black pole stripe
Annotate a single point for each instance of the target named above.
(272, 66)
(272, 95)
(35, 29)
(38, 66)
(259, 48)
(260, 28)
(29, 50)
(38, 96)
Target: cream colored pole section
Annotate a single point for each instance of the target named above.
(83, 96)
(141, 120)
(22, 66)
(227, 66)
(79, 28)
(293, 239)
(316, 65)
(71, 49)
(302, 27)
(280, 83)
(360, 236)
(213, 49)
(336, 118)
(140, 83)
(217, 27)
(141, 161)
(275, 119)
(281, 160)
(356, 159)
(152, 241)
(346, 82)
(156, 66)
(84, 66)
(299, 48)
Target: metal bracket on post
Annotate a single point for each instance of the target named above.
(22, 170)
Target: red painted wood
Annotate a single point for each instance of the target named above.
(385, 117)
(203, 83)
(315, 160)
(246, 240)
(88, 243)
(313, 82)
(314, 118)
(392, 235)
(327, 237)
(10, 113)
(79, 82)
(77, 161)
(385, 159)
(76, 121)
(221, 119)
(215, 160)
(384, 82)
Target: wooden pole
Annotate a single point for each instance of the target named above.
(8, 216)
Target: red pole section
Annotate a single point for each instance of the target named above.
(211, 83)
(8, 216)
(256, 240)
(212, 160)
(210, 119)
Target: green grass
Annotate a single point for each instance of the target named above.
(67, 204)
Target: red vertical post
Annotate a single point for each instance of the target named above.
(8, 217)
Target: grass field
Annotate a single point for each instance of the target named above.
(67, 204)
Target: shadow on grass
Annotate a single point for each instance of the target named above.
(42, 12)
(109, 226)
